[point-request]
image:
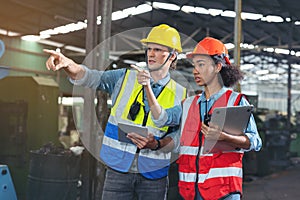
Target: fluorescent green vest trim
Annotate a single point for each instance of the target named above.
(166, 99)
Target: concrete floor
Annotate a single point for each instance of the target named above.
(277, 186)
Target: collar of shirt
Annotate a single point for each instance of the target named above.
(213, 97)
(156, 88)
(206, 104)
(161, 82)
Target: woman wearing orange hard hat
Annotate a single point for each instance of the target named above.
(216, 174)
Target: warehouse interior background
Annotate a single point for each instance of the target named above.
(38, 106)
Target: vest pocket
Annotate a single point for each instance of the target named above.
(215, 188)
(186, 190)
(215, 182)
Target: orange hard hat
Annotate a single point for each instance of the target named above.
(210, 46)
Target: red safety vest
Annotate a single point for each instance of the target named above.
(215, 174)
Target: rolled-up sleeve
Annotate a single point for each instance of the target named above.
(90, 79)
(100, 80)
(252, 132)
(169, 117)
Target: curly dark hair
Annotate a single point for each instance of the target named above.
(231, 75)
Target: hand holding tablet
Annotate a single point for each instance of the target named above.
(124, 129)
(232, 120)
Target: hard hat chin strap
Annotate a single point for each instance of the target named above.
(152, 70)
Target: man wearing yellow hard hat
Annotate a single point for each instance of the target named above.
(137, 168)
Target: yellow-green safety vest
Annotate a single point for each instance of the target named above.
(120, 155)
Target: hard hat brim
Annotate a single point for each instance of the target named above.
(146, 41)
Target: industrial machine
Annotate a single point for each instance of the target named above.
(277, 141)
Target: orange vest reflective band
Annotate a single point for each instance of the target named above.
(216, 174)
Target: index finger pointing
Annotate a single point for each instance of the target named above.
(52, 52)
(136, 67)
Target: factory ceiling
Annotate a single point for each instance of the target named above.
(270, 40)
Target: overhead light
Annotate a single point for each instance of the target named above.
(121, 14)
(271, 50)
(296, 66)
(293, 52)
(272, 18)
(262, 72)
(188, 9)
(49, 32)
(273, 76)
(229, 45)
(263, 78)
(268, 77)
(201, 10)
(12, 34)
(64, 29)
(247, 66)
(118, 15)
(282, 51)
(297, 23)
(251, 16)
(44, 36)
(31, 38)
(8, 33)
(166, 6)
(214, 12)
(247, 46)
(142, 9)
(228, 13)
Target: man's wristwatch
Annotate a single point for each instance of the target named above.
(157, 146)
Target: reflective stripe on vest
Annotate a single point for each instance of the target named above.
(216, 169)
(214, 173)
(120, 155)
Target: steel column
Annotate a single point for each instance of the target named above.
(237, 35)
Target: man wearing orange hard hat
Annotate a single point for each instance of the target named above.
(216, 174)
(137, 166)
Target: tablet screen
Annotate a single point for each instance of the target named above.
(232, 120)
(124, 128)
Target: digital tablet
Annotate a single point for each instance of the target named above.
(232, 120)
(124, 128)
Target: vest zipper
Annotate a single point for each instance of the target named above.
(143, 124)
(197, 163)
(198, 155)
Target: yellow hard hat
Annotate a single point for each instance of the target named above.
(164, 35)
